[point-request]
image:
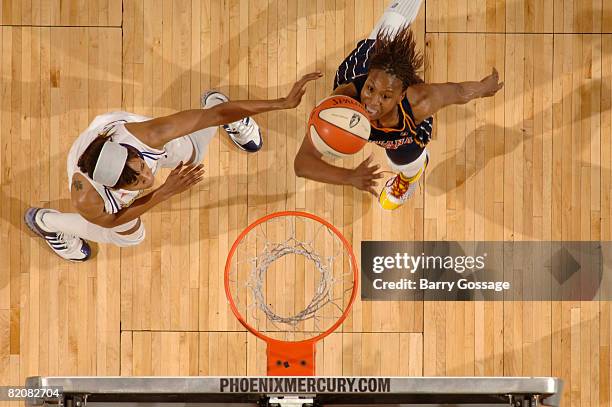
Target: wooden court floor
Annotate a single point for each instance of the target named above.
(533, 163)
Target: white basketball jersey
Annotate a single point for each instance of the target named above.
(113, 125)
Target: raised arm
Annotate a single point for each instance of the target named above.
(309, 164)
(89, 204)
(427, 99)
(157, 132)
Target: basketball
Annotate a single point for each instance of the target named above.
(339, 126)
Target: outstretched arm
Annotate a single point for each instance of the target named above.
(309, 164)
(89, 204)
(427, 99)
(157, 132)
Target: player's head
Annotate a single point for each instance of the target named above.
(118, 166)
(393, 67)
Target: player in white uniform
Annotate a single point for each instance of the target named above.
(116, 158)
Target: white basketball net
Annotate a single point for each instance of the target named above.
(291, 278)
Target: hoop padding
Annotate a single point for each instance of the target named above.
(322, 233)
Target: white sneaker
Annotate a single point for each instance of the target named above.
(244, 133)
(66, 246)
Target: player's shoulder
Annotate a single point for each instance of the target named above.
(418, 93)
(153, 132)
(423, 99)
(85, 198)
(347, 89)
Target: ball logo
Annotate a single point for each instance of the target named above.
(354, 120)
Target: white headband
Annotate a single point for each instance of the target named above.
(110, 163)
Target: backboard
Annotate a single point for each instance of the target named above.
(285, 391)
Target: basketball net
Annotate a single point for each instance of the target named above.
(291, 279)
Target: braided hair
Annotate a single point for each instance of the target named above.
(397, 55)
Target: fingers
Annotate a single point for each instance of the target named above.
(177, 168)
(367, 160)
(190, 173)
(196, 168)
(494, 75)
(310, 77)
(184, 177)
(368, 172)
(189, 180)
(199, 173)
(195, 174)
(299, 88)
(189, 169)
(371, 171)
(195, 181)
(496, 89)
(301, 84)
(369, 184)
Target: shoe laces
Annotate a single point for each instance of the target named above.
(69, 240)
(240, 128)
(399, 186)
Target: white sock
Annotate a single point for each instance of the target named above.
(399, 14)
(71, 224)
(411, 169)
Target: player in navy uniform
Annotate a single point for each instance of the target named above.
(382, 74)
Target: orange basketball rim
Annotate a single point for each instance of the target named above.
(304, 236)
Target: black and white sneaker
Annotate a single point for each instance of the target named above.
(66, 246)
(244, 133)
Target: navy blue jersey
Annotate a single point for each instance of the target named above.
(354, 69)
(406, 132)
